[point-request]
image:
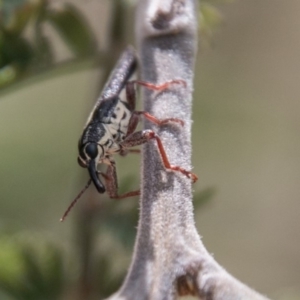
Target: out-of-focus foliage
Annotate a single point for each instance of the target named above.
(37, 269)
(68, 22)
(203, 197)
(25, 47)
(210, 19)
(31, 272)
(23, 44)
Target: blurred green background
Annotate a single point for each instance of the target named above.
(246, 146)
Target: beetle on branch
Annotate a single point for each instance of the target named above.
(111, 129)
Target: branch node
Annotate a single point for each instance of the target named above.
(187, 285)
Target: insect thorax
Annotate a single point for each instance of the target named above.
(108, 125)
(119, 121)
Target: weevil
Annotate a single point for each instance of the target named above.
(111, 129)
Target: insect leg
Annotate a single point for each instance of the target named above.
(133, 122)
(130, 94)
(131, 98)
(112, 184)
(158, 87)
(124, 151)
(130, 88)
(141, 137)
(156, 121)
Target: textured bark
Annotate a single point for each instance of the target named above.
(169, 257)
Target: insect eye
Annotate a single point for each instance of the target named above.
(91, 150)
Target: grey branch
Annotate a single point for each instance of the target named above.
(169, 258)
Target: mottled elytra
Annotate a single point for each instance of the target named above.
(111, 126)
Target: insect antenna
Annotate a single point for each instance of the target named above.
(75, 200)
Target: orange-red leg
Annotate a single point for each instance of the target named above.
(158, 121)
(131, 99)
(130, 89)
(141, 137)
(159, 87)
(112, 184)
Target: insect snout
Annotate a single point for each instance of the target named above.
(88, 158)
